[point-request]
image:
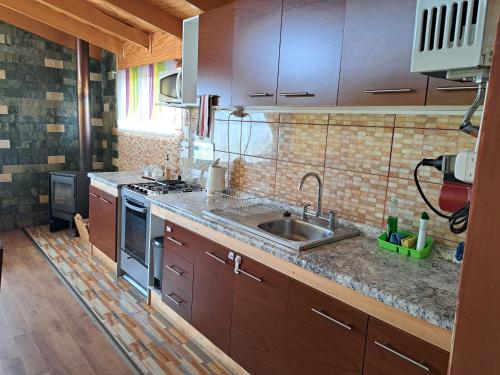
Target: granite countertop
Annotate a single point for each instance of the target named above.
(117, 179)
(426, 289)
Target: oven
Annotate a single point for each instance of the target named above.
(134, 248)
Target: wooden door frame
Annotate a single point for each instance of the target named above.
(476, 343)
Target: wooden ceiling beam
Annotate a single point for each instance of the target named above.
(63, 22)
(83, 12)
(43, 30)
(149, 14)
(206, 5)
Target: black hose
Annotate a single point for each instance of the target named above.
(458, 220)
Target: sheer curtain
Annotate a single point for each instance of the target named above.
(137, 91)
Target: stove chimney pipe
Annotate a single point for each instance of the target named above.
(83, 98)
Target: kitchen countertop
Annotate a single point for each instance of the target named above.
(117, 179)
(426, 289)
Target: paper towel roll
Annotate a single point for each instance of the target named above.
(216, 179)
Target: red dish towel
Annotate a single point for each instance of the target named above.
(205, 116)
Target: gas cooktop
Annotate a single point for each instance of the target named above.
(163, 187)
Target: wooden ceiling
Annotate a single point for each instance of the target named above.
(110, 24)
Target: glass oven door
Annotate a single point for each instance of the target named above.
(62, 194)
(135, 227)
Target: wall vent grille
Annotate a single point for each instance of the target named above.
(448, 35)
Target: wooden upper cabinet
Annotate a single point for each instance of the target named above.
(444, 92)
(323, 336)
(390, 351)
(259, 318)
(376, 55)
(103, 221)
(256, 51)
(215, 53)
(310, 52)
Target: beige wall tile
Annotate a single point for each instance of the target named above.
(59, 96)
(43, 199)
(4, 143)
(412, 145)
(104, 144)
(361, 149)
(135, 151)
(260, 139)
(432, 121)
(222, 130)
(95, 77)
(96, 121)
(16, 168)
(55, 128)
(257, 174)
(359, 119)
(288, 176)
(52, 63)
(356, 196)
(304, 118)
(56, 159)
(2, 74)
(5, 177)
(106, 107)
(98, 165)
(411, 205)
(4, 110)
(2, 38)
(115, 162)
(301, 143)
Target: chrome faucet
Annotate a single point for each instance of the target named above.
(331, 214)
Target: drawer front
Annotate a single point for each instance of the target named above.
(390, 351)
(178, 300)
(323, 336)
(177, 273)
(180, 241)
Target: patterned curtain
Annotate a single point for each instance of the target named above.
(137, 100)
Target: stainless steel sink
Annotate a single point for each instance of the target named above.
(292, 232)
(295, 230)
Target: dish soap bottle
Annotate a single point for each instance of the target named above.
(392, 219)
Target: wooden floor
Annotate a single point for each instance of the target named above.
(43, 329)
(153, 344)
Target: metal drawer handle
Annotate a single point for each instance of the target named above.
(169, 296)
(104, 200)
(94, 195)
(174, 241)
(250, 275)
(260, 95)
(385, 91)
(402, 356)
(456, 88)
(212, 255)
(322, 314)
(295, 94)
(171, 268)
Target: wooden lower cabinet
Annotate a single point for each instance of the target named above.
(390, 351)
(103, 221)
(213, 294)
(323, 335)
(259, 318)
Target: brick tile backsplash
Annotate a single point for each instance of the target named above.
(302, 143)
(260, 139)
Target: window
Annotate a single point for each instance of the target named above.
(138, 108)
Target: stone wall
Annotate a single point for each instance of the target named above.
(38, 122)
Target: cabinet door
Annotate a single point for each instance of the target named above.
(390, 351)
(102, 221)
(444, 92)
(258, 324)
(323, 336)
(215, 53)
(376, 55)
(311, 47)
(256, 51)
(213, 294)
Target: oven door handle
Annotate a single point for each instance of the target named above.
(142, 210)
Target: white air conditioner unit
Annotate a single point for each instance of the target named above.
(454, 39)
